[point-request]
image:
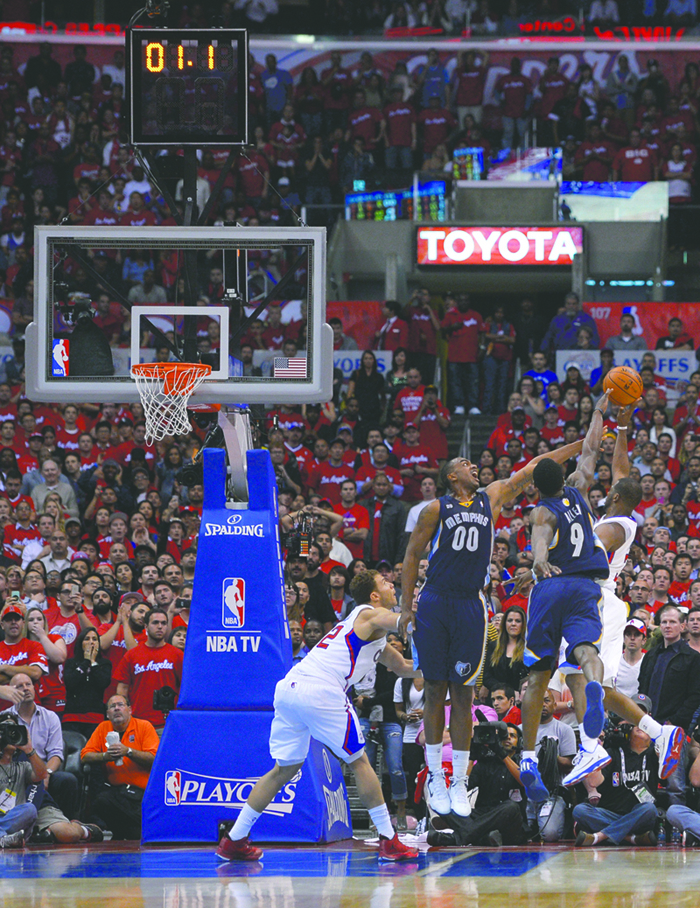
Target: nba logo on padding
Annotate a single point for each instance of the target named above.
(173, 787)
(59, 363)
(233, 608)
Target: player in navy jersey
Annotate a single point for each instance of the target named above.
(451, 619)
(566, 601)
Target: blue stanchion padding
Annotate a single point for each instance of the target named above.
(238, 644)
(205, 768)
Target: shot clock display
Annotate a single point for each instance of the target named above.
(188, 87)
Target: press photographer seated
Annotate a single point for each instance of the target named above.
(498, 816)
(624, 790)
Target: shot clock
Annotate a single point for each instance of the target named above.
(188, 86)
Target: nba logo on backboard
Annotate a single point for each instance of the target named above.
(233, 609)
(173, 787)
(59, 364)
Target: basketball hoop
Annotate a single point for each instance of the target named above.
(165, 389)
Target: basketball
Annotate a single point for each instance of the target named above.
(624, 385)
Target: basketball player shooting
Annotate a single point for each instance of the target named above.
(311, 700)
(451, 620)
(617, 531)
(566, 599)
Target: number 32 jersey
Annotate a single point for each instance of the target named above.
(460, 550)
(575, 549)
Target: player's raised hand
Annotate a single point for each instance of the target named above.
(625, 414)
(603, 404)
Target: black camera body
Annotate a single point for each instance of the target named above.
(13, 734)
(487, 739)
(164, 699)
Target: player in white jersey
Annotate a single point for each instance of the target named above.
(311, 700)
(617, 530)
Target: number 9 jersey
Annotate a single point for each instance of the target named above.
(460, 550)
(575, 549)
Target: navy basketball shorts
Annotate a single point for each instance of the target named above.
(450, 636)
(562, 607)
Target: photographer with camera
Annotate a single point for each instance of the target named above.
(498, 815)
(24, 801)
(626, 811)
(556, 748)
(149, 667)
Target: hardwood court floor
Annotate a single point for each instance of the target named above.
(347, 874)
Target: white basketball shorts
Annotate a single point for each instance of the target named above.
(306, 708)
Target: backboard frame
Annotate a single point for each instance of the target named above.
(316, 387)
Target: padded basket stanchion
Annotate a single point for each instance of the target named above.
(165, 389)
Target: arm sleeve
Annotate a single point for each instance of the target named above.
(54, 744)
(148, 739)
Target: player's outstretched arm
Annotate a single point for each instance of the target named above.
(506, 490)
(583, 475)
(417, 544)
(398, 665)
(544, 525)
(621, 458)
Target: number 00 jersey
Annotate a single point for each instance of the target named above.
(575, 549)
(460, 550)
(341, 656)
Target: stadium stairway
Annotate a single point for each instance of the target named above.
(480, 427)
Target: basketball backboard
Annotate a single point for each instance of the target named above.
(105, 295)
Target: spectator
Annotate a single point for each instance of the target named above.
(423, 329)
(503, 700)
(87, 676)
(355, 519)
(556, 746)
(433, 420)
(529, 330)
(499, 337)
(626, 340)
(514, 92)
(357, 165)
(468, 81)
(385, 539)
(626, 788)
(17, 653)
(127, 766)
(562, 330)
(504, 664)
(627, 679)
(394, 332)
(635, 163)
(621, 86)
(367, 385)
(142, 671)
(51, 476)
(677, 338)
(462, 326)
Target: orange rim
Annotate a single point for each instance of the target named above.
(169, 373)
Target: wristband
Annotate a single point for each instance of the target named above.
(32, 752)
(622, 428)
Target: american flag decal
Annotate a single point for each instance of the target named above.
(289, 367)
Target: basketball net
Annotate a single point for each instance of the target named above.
(165, 390)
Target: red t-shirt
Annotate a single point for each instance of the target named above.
(116, 652)
(422, 335)
(635, 165)
(67, 628)
(146, 669)
(364, 123)
(412, 457)
(680, 591)
(251, 180)
(437, 125)
(370, 471)
(595, 170)
(553, 87)
(51, 689)
(515, 90)
(327, 480)
(432, 435)
(143, 218)
(470, 86)
(399, 119)
(24, 652)
(395, 336)
(354, 518)
(409, 399)
(463, 343)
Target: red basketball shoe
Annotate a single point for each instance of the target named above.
(395, 850)
(240, 850)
